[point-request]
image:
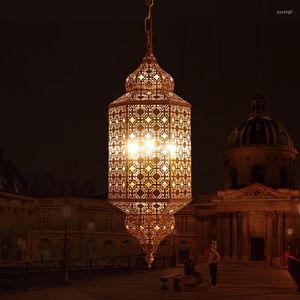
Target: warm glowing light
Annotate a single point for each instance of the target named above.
(149, 147)
(290, 231)
(145, 146)
(67, 211)
(149, 154)
(172, 150)
(133, 148)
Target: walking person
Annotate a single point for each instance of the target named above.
(213, 260)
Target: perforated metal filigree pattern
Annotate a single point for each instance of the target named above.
(117, 152)
(181, 161)
(150, 153)
(150, 226)
(149, 76)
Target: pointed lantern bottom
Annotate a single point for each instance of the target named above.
(150, 230)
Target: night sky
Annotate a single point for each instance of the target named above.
(62, 63)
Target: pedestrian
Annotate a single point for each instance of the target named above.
(213, 260)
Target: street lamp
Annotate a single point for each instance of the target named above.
(66, 212)
(289, 232)
(90, 226)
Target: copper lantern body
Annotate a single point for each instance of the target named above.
(149, 154)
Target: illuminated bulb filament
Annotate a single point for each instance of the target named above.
(172, 150)
(149, 146)
(133, 148)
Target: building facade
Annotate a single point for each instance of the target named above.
(255, 217)
(33, 229)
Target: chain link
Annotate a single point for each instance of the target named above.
(148, 25)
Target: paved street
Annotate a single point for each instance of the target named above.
(234, 283)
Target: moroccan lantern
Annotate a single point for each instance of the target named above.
(149, 151)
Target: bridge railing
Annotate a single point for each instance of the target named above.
(21, 276)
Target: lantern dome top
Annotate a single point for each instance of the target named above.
(149, 83)
(149, 76)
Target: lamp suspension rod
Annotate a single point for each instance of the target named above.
(148, 27)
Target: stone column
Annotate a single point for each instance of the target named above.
(269, 241)
(199, 236)
(12, 237)
(245, 235)
(219, 234)
(205, 234)
(274, 234)
(289, 224)
(226, 235)
(280, 237)
(234, 235)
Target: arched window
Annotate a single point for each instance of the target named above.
(258, 174)
(283, 177)
(234, 178)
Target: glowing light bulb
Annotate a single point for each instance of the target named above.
(149, 147)
(172, 150)
(148, 144)
(290, 231)
(133, 147)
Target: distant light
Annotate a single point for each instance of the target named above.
(90, 226)
(67, 211)
(290, 231)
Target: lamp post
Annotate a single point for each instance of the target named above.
(66, 211)
(289, 232)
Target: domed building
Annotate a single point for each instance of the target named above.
(256, 216)
(260, 150)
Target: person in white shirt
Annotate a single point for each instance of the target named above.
(213, 260)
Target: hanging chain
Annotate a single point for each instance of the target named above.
(148, 26)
